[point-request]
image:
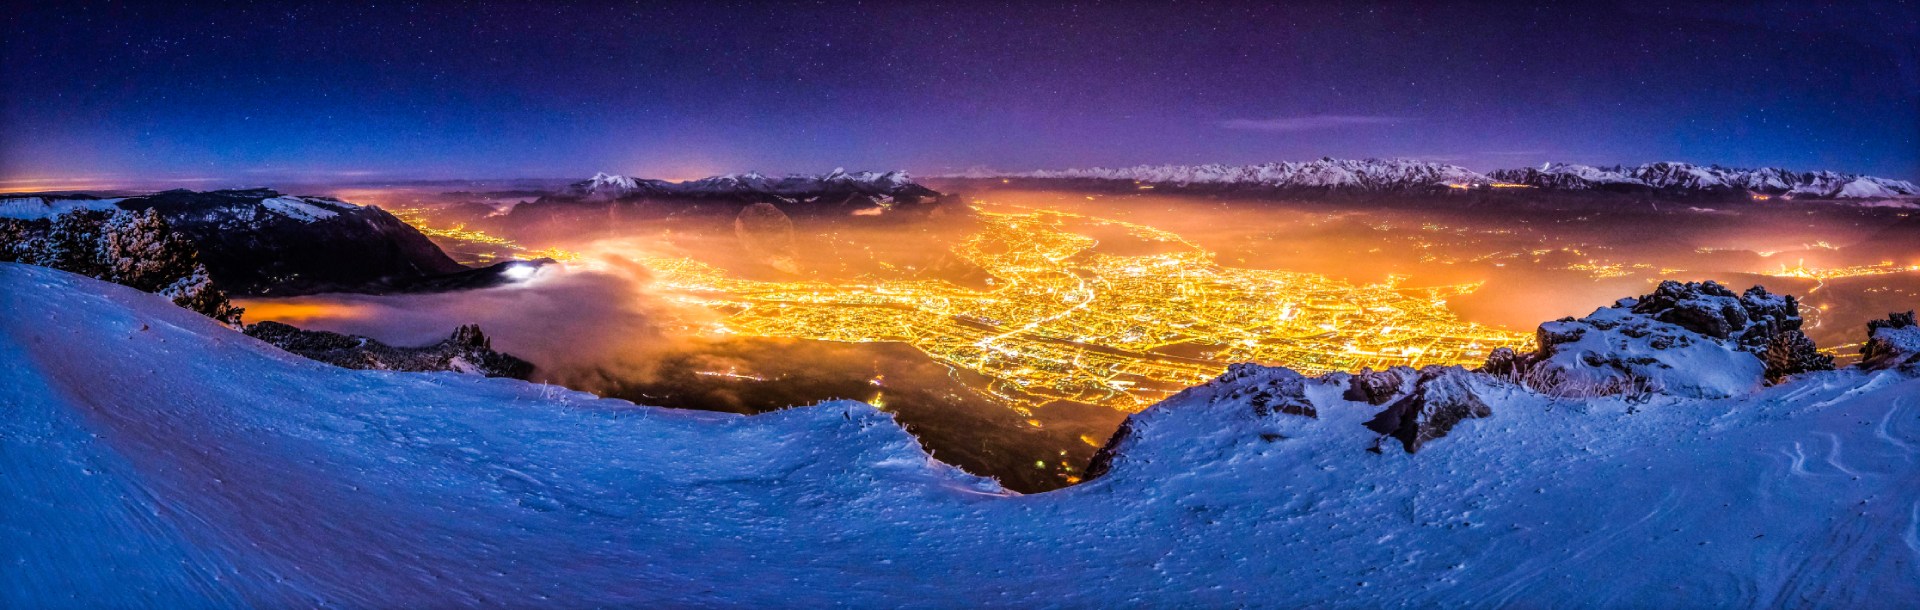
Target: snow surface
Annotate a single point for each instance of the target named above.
(37, 208)
(155, 458)
(306, 209)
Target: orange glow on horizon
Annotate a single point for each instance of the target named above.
(296, 311)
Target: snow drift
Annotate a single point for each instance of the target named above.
(153, 457)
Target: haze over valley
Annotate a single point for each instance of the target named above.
(935, 304)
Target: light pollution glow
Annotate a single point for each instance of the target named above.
(1065, 322)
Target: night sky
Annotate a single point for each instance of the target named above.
(170, 93)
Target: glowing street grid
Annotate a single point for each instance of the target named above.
(1065, 322)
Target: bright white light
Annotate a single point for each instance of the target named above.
(518, 272)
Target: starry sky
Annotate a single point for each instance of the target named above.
(172, 93)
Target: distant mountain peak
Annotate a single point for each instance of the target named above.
(751, 183)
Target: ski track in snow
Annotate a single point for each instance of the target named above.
(153, 458)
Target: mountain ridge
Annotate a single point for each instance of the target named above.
(1401, 175)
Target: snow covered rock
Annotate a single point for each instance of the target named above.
(1248, 397)
(1266, 390)
(1379, 387)
(468, 350)
(1693, 339)
(1441, 398)
(1891, 343)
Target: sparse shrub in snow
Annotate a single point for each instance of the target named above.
(136, 249)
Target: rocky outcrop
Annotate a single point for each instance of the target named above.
(1695, 339)
(1253, 396)
(1892, 343)
(1379, 387)
(468, 351)
(1441, 398)
(1266, 390)
(1689, 340)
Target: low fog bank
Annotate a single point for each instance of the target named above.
(582, 329)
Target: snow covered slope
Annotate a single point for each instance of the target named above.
(153, 458)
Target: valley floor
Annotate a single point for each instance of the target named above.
(154, 458)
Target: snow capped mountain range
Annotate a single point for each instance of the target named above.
(1363, 174)
(1684, 176)
(1407, 175)
(603, 186)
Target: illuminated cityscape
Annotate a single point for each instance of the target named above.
(491, 244)
(1067, 322)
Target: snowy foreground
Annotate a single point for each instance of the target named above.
(155, 458)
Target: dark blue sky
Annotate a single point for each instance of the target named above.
(282, 91)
